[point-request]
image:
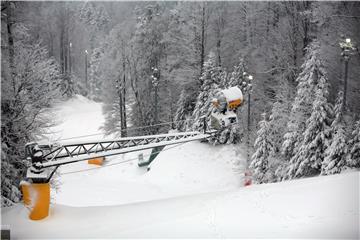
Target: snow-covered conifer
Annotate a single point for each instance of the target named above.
(94, 15)
(210, 81)
(237, 76)
(311, 70)
(180, 116)
(95, 78)
(335, 154)
(263, 152)
(279, 116)
(308, 158)
(354, 147)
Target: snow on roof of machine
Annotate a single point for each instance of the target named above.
(232, 94)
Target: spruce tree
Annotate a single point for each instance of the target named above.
(279, 116)
(95, 78)
(180, 116)
(336, 153)
(308, 158)
(353, 159)
(264, 150)
(311, 70)
(237, 76)
(210, 81)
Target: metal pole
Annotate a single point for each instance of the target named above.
(345, 80)
(156, 104)
(86, 80)
(124, 102)
(248, 130)
(204, 124)
(70, 58)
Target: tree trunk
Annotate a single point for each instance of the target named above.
(62, 47)
(202, 54)
(123, 102)
(306, 26)
(119, 91)
(10, 38)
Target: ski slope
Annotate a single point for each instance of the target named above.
(192, 190)
(321, 207)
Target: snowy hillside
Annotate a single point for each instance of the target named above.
(192, 190)
(321, 207)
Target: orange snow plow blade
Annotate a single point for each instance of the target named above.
(97, 161)
(37, 197)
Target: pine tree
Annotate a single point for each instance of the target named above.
(311, 70)
(263, 152)
(279, 116)
(95, 17)
(353, 159)
(335, 154)
(307, 160)
(95, 78)
(210, 80)
(237, 76)
(180, 116)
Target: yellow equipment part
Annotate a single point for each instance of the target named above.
(37, 197)
(97, 161)
(234, 104)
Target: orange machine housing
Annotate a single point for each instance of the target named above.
(37, 198)
(234, 104)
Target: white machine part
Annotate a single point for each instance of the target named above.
(220, 120)
(233, 94)
(224, 107)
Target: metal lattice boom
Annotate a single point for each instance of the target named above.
(74, 152)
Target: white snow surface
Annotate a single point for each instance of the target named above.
(193, 190)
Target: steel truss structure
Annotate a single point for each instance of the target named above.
(75, 152)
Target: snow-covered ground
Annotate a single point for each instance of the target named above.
(192, 190)
(76, 117)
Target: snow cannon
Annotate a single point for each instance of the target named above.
(224, 107)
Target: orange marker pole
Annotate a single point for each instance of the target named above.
(97, 161)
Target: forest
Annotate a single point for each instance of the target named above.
(159, 64)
